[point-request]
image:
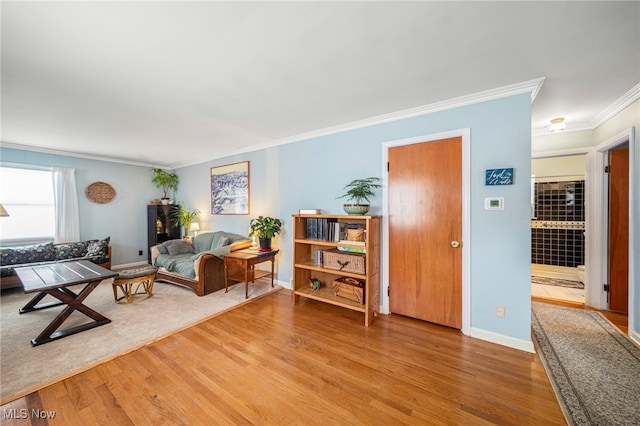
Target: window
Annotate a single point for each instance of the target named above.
(27, 195)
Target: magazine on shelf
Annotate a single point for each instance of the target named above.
(352, 249)
(352, 243)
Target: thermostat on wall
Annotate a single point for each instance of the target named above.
(494, 203)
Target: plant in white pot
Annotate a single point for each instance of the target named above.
(359, 191)
(265, 228)
(166, 181)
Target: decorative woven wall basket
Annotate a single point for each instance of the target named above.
(100, 192)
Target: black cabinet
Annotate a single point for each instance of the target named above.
(160, 228)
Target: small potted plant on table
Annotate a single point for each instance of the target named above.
(359, 191)
(265, 228)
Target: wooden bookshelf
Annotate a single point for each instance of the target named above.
(305, 268)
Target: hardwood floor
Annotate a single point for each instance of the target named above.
(271, 362)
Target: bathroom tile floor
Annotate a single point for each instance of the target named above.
(558, 293)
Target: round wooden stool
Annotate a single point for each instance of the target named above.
(133, 282)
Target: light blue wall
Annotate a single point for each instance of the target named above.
(124, 219)
(312, 173)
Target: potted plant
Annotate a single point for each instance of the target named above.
(166, 181)
(184, 217)
(359, 191)
(265, 228)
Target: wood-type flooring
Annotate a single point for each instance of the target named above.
(272, 362)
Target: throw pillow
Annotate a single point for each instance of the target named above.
(98, 248)
(28, 254)
(178, 247)
(223, 241)
(71, 250)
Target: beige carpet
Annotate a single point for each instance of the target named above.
(25, 369)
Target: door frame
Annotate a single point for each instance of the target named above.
(598, 219)
(465, 135)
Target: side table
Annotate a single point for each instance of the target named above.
(246, 260)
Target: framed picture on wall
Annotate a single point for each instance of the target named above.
(499, 176)
(230, 189)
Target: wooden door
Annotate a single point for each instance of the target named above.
(619, 230)
(425, 225)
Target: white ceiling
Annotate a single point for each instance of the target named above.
(179, 83)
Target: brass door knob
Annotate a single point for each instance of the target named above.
(455, 244)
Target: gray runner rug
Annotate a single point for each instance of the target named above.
(556, 282)
(593, 367)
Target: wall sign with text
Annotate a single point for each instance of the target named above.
(499, 176)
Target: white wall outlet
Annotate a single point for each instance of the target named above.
(500, 311)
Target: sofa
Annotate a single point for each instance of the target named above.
(197, 263)
(97, 251)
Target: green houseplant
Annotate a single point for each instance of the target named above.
(359, 191)
(265, 228)
(166, 181)
(184, 217)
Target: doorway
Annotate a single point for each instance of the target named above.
(558, 223)
(598, 225)
(618, 242)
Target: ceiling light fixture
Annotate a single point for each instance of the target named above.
(557, 125)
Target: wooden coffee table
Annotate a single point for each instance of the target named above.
(247, 260)
(54, 279)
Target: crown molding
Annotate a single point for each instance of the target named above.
(621, 103)
(78, 155)
(575, 127)
(561, 152)
(530, 86)
(618, 105)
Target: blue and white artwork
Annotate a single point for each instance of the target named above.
(499, 176)
(230, 189)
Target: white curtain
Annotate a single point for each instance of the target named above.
(65, 198)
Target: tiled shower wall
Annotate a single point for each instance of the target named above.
(557, 231)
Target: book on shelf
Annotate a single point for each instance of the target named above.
(352, 243)
(318, 257)
(311, 230)
(320, 228)
(310, 211)
(352, 249)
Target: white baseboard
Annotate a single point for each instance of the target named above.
(635, 337)
(503, 340)
(284, 284)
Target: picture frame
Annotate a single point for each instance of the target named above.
(503, 176)
(230, 189)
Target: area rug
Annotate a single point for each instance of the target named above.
(593, 367)
(25, 369)
(556, 282)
